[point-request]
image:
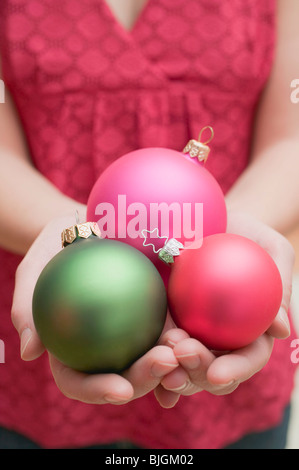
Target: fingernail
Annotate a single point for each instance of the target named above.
(159, 370)
(170, 343)
(25, 339)
(114, 399)
(180, 389)
(227, 384)
(190, 361)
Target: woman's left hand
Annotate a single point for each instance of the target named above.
(220, 374)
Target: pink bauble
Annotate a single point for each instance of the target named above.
(157, 188)
(226, 293)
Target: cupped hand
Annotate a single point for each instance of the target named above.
(221, 373)
(142, 377)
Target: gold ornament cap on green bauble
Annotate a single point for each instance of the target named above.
(99, 304)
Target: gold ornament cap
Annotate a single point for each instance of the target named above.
(198, 149)
(84, 230)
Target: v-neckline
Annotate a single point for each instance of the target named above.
(129, 32)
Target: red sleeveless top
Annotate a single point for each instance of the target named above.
(87, 92)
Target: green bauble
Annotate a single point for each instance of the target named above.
(99, 305)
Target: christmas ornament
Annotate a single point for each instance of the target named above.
(226, 293)
(99, 304)
(159, 188)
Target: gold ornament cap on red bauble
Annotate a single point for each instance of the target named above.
(198, 149)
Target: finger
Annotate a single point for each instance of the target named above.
(93, 389)
(47, 244)
(280, 327)
(148, 371)
(191, 376)
(166, 398)
(194, 359)
(240, 365)
(283, 255)
(173, 336)
(21, 312)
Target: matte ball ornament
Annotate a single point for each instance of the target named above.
(99, 304)
(158, 188)
(226, 293)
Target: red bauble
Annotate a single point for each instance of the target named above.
(226, 293)
(157, 188)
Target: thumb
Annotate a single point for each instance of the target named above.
(147, 372)
(283, 254)
(45, 246)
(21, 313)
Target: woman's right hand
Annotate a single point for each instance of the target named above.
(142, 377)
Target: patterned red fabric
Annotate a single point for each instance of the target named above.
(87, 92)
